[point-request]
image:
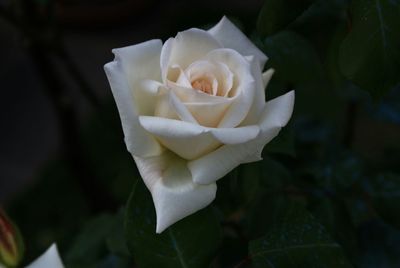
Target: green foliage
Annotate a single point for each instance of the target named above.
(192, 242)
(384, 190)
(296, 240)
(275, 15)
(294, 59)
(370, 54)
(100, 241)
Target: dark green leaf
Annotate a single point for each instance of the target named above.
(325, 25)
(370, 54)
(89, 245)
(275, 15)
(297, 240)
(100, 237)
(116, 242)
(294, 59)
(333, 214)
(385, 192)
(192, 242)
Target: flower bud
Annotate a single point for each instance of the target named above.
(11, 246)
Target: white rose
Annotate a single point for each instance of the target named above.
(49, 259)
(192, 110)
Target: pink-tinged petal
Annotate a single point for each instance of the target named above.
(187, 47)
(275, 116)
(231, 37)
(243, 90)
(175, 196)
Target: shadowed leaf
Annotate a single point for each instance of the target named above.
(191, 242)
(370, 54)
(296, 240)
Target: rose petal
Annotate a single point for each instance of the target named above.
(188, 95)
(259, 96)
(208, 114)
(236, 135)
(177, 135)
(141, 62)
(182, 111)
(164, 107)
(137, 140)
(231, 37)
(276, 115)
(187, 140)
(244, 82)
(187, 47)
(208, 110)
(49, 259)
(175, 196)
(267, 75)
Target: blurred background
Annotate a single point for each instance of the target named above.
(63, 159)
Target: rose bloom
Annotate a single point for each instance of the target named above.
(49, 259)
(192, 109)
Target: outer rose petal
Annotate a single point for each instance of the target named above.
(138, 141)
(50, 259)
(231, 37)
(141, 66)
(176, 135)
(175, 196)
(275, 116)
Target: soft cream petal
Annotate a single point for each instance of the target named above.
(259, 95)
(163, 106)
(236, 135)
(187, 47)
(243, 89)
(141, 62)
(138, 141)
(187, 140)
(208, 114)
(276, 115)
(175, 196)
(231, 37)
(50, 259)
(189, 95)
(267, 75)
(182, 111)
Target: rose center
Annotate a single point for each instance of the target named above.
(202, 85)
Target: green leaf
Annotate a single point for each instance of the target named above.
(191, 242)
(101, 241)
(275, 15)
(370, 54)
(296, 240)
(294, 59)
(89, 246)
(385, 192)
